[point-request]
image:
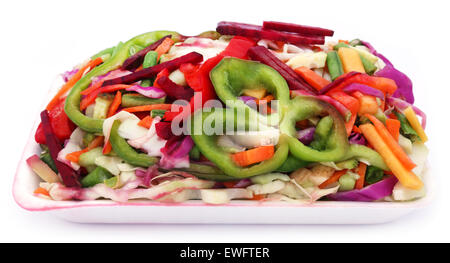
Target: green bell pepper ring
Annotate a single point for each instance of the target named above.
(365, 154)
(232, 76)
(208, 146)
(119, 55)
(302, 108)
(126, 152)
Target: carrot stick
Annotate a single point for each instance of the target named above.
(253, 156)
(146, 122)
(362, 174)
(41, 191)
(356, 129)
(312, 78)
(164, 47)
(93, 87)
(148, 108)
(393, 145)
(90, 98)
(115, 104)
(75, 156)
(333, 179)
(406, 178)
(107, 148)
(415, 124)
(69, 84)
(393, 126)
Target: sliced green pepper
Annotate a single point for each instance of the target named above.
(208, 146)
(97, 176)
(367, 155)
(302, 108)
(232, 76)
(119, 55)
(132, 100)
(126, 152)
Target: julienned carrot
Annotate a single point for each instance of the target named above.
(312, 78)
(148, 108)
(265, 99)
(393, 145)
(356, 129)
(406, 178)
(164, 47)
(115, 104)
(254, 155)
(415, 124)
(41, 191)
(258, 197)
(333, 179)
(90, 98)
(393, 126)
(75, 156)
(69, 84)
(93, 87)
(362, 174)
(146, 122)
(350, 60)
(107, 148)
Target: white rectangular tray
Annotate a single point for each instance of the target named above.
(195, 212)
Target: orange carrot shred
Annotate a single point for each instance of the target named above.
(333, 179)
(146, 122)
(254, 155)
(41, 191)
(69, 84)
(362, 174)
(115, 104)
(148, 108)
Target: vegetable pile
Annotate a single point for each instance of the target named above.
(267, 112)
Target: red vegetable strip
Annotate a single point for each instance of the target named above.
(137, 59)
(90, 98)
(173, 90)
(68, 175)
(337, 82)
(300, 29)
(115, 104)
(263, 55)
(254, 31)
(147, 73)
(69, 84)
(162, 73)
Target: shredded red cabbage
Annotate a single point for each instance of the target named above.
(175, 153)
(147, 175)
(306, 136)
(150, 92)
(357, 138)
(163, 130)
(404, 84)
(364, 89)
(369, 193)
(401, 105)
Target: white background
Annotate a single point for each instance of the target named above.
(40, 39)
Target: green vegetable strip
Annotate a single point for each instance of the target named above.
(72, 105)
(129, 100)
(334, 65)
(369, 67)
(126, 152)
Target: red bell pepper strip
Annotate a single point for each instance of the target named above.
(61, 124)
(385, 85)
